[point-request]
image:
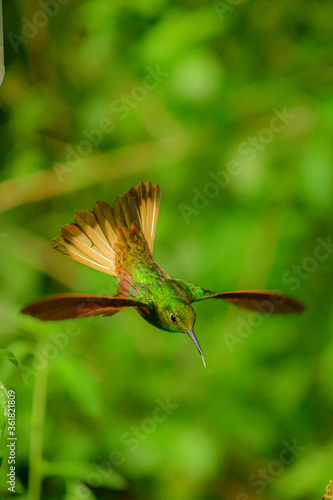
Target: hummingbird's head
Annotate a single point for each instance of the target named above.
(179, 316)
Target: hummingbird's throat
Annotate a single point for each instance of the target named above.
(195, 340)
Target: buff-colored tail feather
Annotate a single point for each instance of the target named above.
(91, 240)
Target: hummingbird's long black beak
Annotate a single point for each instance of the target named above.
(195, 340)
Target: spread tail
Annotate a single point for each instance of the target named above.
(91, 239)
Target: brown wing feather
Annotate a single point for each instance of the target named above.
(70, 305)
(263, 301)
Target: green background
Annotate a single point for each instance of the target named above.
(90, 386)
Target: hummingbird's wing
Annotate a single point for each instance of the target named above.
(92, 238)
(263, 301)
(72, 305)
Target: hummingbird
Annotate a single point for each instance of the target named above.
(118, 240)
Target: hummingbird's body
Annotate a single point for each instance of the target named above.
(118, 240)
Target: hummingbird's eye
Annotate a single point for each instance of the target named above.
(173, 318)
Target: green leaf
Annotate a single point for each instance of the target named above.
(77, 490)
(10, 356)
(3, 409)
(92, 474)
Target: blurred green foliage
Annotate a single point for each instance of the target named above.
(97, 96)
